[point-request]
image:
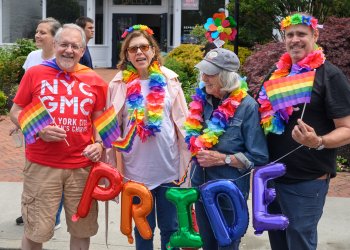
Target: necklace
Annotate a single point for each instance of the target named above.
(198, 138)
(149, 124)
(275, 121)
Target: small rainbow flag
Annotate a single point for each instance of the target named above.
(288, 91)
(107, 127)
(33, 118)
(125, 145)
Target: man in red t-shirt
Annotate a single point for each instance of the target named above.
(61, 157)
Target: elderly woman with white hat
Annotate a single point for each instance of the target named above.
(224, 135)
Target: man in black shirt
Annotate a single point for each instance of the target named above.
(87, 24)
(309, 130)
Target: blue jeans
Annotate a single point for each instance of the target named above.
(58, 215)
(166, 219)
(209, 240)
(302, 203)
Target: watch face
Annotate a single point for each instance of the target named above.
(228, 159)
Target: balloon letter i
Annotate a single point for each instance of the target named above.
(185, 236)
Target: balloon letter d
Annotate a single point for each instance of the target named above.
(223, 233)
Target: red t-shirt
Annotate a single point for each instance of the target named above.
(71, 100)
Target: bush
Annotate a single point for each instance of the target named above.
(260, 63)
(11, 60)
(243, 53)
(3, 103)
(182, 60)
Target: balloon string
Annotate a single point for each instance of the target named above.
(287, 154)
(195, 168)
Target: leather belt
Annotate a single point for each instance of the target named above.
(323, 177)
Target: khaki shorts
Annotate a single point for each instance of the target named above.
(42, 193)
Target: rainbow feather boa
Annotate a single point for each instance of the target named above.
(275, 121)
(197, 140)
(155, 100)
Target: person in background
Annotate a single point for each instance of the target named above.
(44, 36)
(145, 90)
(87, 24)
(310, 130)
(60, 159)
(239, 148)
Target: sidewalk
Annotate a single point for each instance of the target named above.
(333, 227)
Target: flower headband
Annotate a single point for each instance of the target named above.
(220, 26)
(137, 27)
(299, 19)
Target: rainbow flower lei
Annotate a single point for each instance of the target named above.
(274, 121)
(155, 100)
(217, 124)
(299, 19)
(137, 27)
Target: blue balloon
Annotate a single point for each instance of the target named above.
(263, 196)
(225, 234)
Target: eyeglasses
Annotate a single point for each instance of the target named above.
(65, 46)
(143, 48)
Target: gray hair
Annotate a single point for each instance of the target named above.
(230, 81)
(54, 24)
(71, 26)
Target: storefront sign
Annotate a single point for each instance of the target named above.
(190, 5)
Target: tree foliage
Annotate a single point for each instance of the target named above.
(257, 18)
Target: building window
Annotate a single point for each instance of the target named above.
(137, 2)
(99, 22)
(66, 11)
(19, 19)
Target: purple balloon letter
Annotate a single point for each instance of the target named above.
(263, 196)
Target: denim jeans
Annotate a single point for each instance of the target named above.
(302, 203)
(166, 219)
(207, 234)
(58, 215)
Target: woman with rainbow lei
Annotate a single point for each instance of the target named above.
(148, 97)
(223, 135)
(303, 133)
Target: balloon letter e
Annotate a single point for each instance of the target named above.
(263, 196)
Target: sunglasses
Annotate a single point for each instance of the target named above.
(143, 48)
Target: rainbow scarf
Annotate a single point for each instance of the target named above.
(107, 127)
(33, 118)
(154, 100)
(274, 115)
(288, 91)
(198, 138)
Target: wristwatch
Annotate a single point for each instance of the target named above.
(320, 145)
(228, 159)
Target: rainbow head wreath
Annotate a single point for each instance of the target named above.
(220, 26)
(299, 19)
(137, 27)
